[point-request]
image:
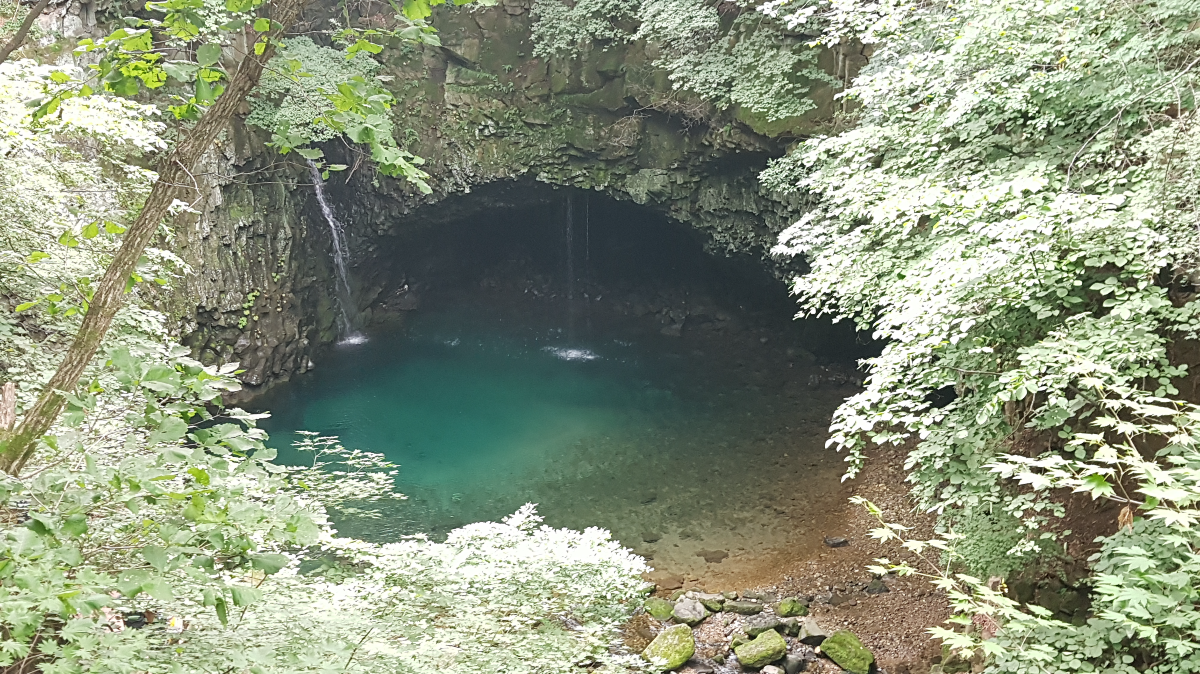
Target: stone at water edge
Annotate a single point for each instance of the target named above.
(811, 633)
(790, 607)
(671, 648)
(659, 609)
(767, 648)
(712, 602)
(690, 611)
(759, 624)
(744, 607)
(847, 652)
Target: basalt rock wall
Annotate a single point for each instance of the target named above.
(481, 110)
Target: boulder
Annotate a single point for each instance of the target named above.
(689, 611)
(790, 607)
(847, 652)
(811, 633)
(759, 624)
(744, 607)
(671, 648)
(765, 649)
(659, 609)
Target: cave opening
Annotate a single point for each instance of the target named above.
(560, 347)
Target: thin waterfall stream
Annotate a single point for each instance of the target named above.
(345, 297)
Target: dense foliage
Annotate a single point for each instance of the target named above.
(1011, 207)
(152, 531)
(742, 58)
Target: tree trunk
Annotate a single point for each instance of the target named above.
(174, 176)
(19, 36)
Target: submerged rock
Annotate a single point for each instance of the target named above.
(671, 648)
(690, 611)
(847, 652)
(659, 609)
(767, 648)
(790, 607)
(713, 556)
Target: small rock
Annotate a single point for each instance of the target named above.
(841, 598)
(690, 611)
(811, 633)
(877, 586)
(677, 594)
(696, 666)
(771, 669)
(712, 602)
(756, 596)
(738, 639)
(791, 606)
(673, 330)
(847, 652)
(651, 537)
(712, 556)
(759, 624)
(744, 607)
(729, 595)
(671, 648)
(767, 648)
(836, 541)
(659, 609)
(791, 626)
(793, 664)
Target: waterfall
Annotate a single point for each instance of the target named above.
(570, 268)
(345, 297)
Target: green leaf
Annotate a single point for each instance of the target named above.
(244, 595)
(156, 556)
(170, 430)
(262, 25)
(181, 70)
(269, 563)
(208, 55)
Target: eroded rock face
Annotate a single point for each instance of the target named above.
(482, 111)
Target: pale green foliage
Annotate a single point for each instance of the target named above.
(567, 29)
(288, 102)
(752, 64)
(749, 62)
(1012, 210)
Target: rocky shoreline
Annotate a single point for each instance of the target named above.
(728, 632)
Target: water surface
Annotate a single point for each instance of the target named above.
(710, 442)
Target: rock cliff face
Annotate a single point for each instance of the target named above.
(482, 111)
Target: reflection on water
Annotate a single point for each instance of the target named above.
(673, 450)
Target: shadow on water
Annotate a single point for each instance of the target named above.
(688, 417)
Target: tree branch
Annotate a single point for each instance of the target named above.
(173, 173)
(23, 31)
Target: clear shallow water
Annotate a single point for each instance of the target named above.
(643, 434)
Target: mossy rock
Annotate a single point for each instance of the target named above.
(767, 648)
(659, 609)
(790, 607)
(847, 652)
(671, 648)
